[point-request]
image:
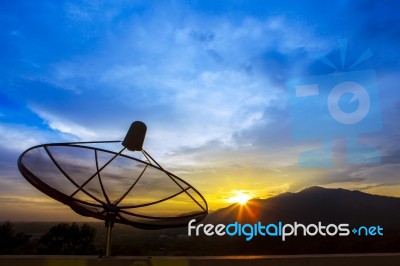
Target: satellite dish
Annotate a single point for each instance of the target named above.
(126, 186)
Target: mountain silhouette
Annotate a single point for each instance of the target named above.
(309, 206)
(315, 204)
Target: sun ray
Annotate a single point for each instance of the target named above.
(240, 198)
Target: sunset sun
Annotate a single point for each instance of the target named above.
(240, 198)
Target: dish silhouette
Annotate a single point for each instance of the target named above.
(126, 186)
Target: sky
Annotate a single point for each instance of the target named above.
(213, 82)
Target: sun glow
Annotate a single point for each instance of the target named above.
(240, 198)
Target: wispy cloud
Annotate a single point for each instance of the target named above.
(64, 126)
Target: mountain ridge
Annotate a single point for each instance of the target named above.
(314, 204)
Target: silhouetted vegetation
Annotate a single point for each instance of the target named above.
(12, 242)
(130, 241)
(68, 240)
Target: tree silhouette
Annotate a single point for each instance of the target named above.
(12, 242)
(68, 240)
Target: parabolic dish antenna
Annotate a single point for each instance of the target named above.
(124, 186)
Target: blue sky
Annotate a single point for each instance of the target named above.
(209, 80)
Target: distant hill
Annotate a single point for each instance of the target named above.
(308, 206)
(316, 204)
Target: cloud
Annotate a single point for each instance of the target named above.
(19, 137)
(195, 75)
(367, 187)
(64, 126)
(209, 81)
